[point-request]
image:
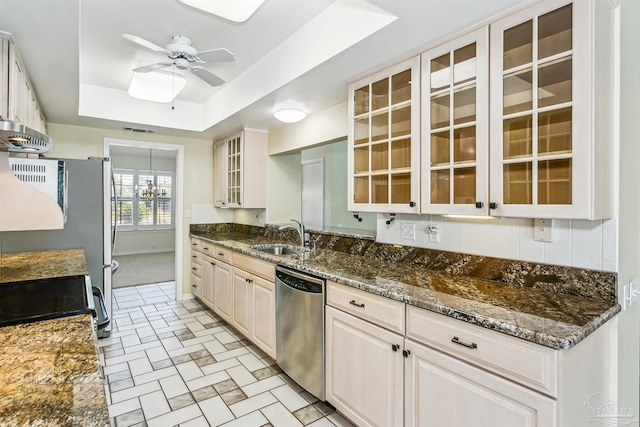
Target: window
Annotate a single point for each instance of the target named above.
(151, 212)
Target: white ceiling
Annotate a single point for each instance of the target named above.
(289, 50)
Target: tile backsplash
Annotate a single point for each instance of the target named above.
(576, 243)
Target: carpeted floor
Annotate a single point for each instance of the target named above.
(142, 269)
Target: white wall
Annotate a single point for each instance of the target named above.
(324, 126)
(283, 188)
(584, 244)
(628, 340)
(144, 241)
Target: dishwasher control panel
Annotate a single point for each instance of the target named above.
(298, 283)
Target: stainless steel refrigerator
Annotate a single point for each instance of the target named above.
(89, 223)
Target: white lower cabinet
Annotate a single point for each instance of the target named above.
(208, 271)
(242, 297)
(441, 390)
(364, 372)
(435, 371)
(239, 288)
(222, 303)
(263, 331)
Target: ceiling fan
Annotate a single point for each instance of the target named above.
(183, 56)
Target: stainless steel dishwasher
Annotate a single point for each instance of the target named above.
(300, 328)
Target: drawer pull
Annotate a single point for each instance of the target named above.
(353, 302)
(456, 340)
(212, 263)
(195, 286)
(194, 268)
(205, 248)
(220, 253)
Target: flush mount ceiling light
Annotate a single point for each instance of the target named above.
(289, 115)
(157, 86)
(233, 10)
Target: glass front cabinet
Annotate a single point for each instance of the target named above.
(551, 79)
(455, 126)
(383, 140)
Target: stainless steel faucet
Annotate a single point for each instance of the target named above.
(299, 229)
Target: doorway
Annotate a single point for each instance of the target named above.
(150, 216)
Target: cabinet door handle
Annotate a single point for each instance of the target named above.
(212, 263)
(194, 256)
(406, 353)
(205, 248)
(493, 205)
(220, 253)
(479, 205)
(194, 268)
(395, 347)
(195, 286)
(353, 302)
(456, 340)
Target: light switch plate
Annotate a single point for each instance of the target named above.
(409, 231)
(543, 230)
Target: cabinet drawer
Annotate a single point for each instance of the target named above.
(196, 244)
(196, 269)
(256, 266)
(221, 253)
(196, 257)
(526, 363)
(382, 311)
(207, 248)
(196, 285)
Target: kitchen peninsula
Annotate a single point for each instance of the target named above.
(49, 369)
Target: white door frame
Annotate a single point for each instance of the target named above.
(179, 234)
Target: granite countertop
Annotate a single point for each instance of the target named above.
(42, 265)
(49, 369)
(541, 315)
(50, 374)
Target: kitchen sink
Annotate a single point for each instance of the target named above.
(279, 249)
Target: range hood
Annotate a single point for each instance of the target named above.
(17, 137)
(21, 206)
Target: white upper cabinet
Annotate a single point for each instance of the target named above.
(18, 102)
(383, 140)
(455, 126)
(240, 173)
(552, 86)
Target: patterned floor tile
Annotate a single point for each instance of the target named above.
(179, 363)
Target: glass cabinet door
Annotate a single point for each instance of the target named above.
(534, 111)
(455, 120)
(234, 170)
(383, 141)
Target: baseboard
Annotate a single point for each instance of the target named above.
(188, 296)
(151, 251)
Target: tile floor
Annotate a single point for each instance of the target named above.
(176, 363)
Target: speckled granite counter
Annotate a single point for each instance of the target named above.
(42, 265)
(49, 372)
(50, 375)
(550, 305)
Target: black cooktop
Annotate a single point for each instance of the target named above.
(32, 300)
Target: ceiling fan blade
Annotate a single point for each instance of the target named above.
(216, 55)
(207, 76)
(152, 67)
(145, 43)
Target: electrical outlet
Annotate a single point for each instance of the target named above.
(543, 230)
(409, 231)
(433, 231)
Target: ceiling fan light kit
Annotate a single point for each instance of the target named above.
(289, 114)
(182, 56)
(157, 86)
(233, 10)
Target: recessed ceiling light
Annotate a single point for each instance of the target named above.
(156, 86)
(289, 115)
(233, 10)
